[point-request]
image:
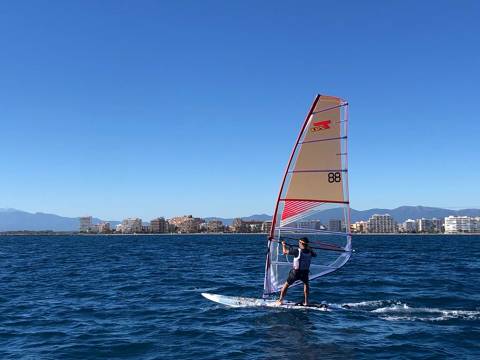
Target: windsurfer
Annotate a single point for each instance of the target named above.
(302, 257)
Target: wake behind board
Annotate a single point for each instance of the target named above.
(236, 301)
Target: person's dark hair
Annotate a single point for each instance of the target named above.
(304, 240)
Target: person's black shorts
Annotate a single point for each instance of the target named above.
(295, 275)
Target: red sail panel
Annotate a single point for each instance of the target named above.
(295, 207)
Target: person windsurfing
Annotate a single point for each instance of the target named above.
(302, 256)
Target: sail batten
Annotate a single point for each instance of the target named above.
(317, 170)
(311, 141)
(330, 108)
(316, 200)
(313, 199)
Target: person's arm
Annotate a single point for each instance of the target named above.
(289, 250)
(284, 248)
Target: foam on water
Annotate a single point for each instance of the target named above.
(366, 304)
(402, 311)
(394, 310)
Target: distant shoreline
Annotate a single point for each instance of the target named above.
(415, 234)
(40, 233)
(139, 234)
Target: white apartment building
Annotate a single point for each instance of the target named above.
(429, 225)
(409, 226)
(383, 223)
(460, 224)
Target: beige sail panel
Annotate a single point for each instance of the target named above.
(324, 125)
(320, 155)
(326, 102)
(324, 186)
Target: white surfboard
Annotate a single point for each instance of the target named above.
(236, 301)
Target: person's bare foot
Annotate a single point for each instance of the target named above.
(279, 302)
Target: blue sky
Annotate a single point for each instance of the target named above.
(151, 108)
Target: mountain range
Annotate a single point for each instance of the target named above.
(17, 220)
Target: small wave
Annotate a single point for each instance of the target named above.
(394, 310)
(398, 307)
(200, 289)
(401, 311)
(367, 304)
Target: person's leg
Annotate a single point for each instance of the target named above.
(306, 290)
(292, 277)
(283, 292)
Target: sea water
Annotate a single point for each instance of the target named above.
(138, 297)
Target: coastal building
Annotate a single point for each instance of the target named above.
(311, 224)
(239, 226)
(186, 224)
(159, 226)
(266, 226)
(359, 227)
(460, 224)
(215, 226)
(189, 226)
(86, 224)
(254, 226)
(381, 223)
(131, 226)
(103, 228)
(246, 226)
(438, 225)
(409, 226)
(171, 228)
(335, 225)
(424, 225)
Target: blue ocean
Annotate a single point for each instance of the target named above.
(138, 297)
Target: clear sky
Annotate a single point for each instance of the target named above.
(155, 108)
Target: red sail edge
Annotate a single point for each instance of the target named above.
(274, 220)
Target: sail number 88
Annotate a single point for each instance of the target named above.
(334, 177)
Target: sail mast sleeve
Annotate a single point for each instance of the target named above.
(274, 220)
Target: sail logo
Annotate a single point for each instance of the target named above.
(321, 125)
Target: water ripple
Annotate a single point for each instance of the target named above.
(139, 297)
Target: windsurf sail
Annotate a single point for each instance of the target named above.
(313, 200)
